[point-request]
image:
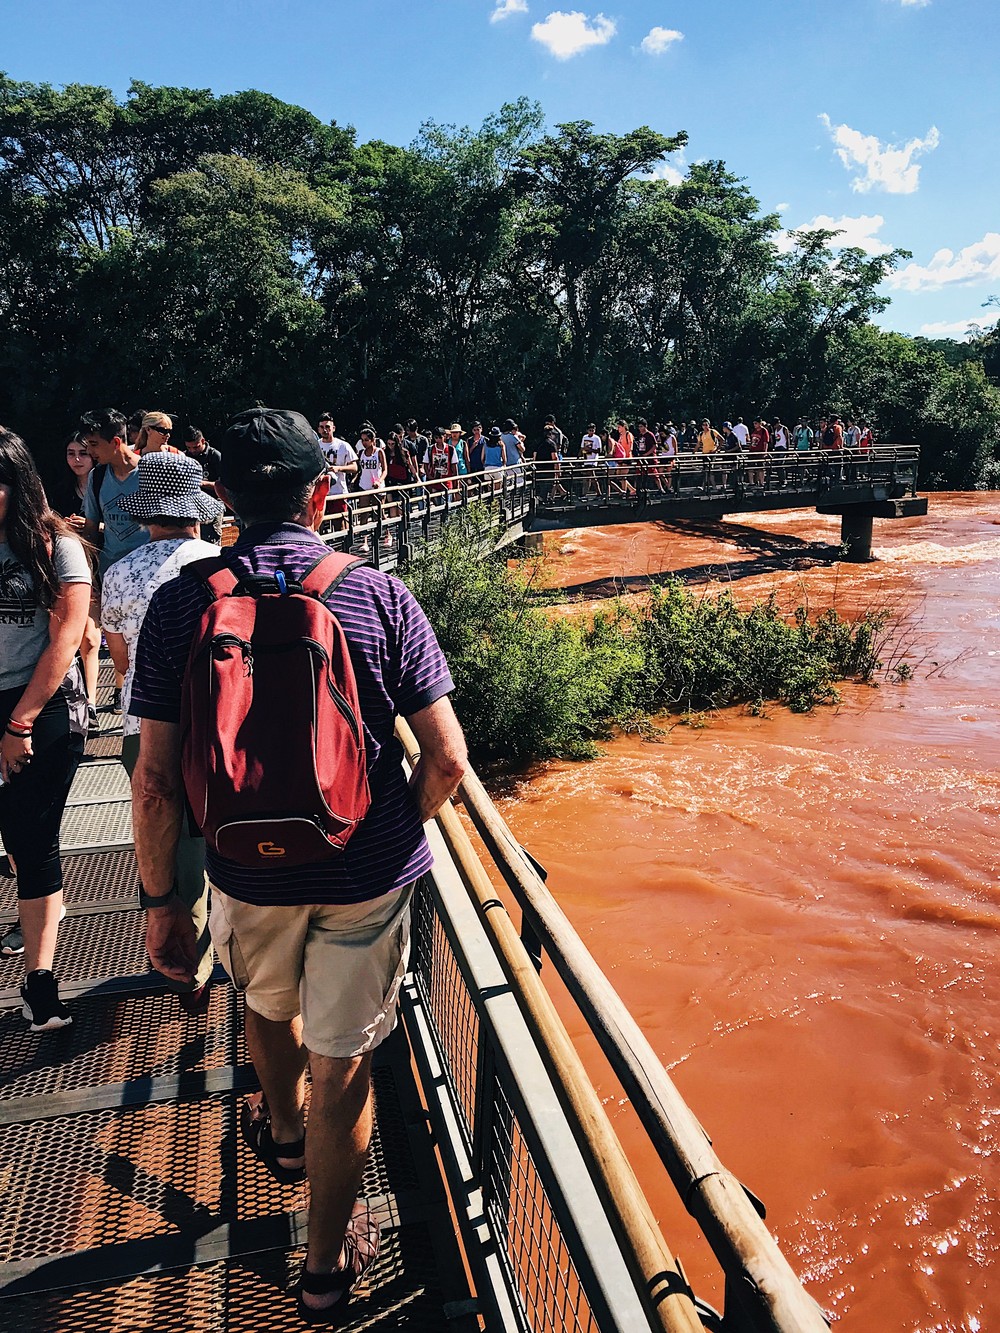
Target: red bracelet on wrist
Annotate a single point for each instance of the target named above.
(18, 728)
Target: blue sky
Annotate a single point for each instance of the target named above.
(881, 115)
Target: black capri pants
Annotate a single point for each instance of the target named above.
(32, 802)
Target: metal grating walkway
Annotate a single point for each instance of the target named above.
(129, 1201)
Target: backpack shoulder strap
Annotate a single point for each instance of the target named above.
(214, 573)
(99, 473)
(327, 573)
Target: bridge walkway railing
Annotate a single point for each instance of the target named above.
(131, 1203)
(389, 527)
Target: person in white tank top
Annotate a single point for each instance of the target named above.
(371, 463)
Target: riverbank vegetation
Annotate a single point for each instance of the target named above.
(197, 253)
(531, 684)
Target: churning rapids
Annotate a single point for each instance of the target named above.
(803, 912)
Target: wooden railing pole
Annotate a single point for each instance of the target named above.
(741, 1242)
(663, 1286)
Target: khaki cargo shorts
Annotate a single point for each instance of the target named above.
(341, 966)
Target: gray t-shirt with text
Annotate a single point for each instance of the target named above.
(24, 625)
(122, 533)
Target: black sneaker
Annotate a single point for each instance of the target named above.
(12, 941)
(93, 721)
(42, 1007)
(116, 700)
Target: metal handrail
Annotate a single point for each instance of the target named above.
(658, 1279)
(759, 1280)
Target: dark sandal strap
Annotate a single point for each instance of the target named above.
(296, 1149)
(326, 1284)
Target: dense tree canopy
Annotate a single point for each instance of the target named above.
(199, 253)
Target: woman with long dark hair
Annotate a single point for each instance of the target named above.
(45, 583)
(67, 500)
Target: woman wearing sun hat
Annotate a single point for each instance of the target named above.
(169, 502)
(458, 444)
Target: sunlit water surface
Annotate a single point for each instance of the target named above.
(803, 913)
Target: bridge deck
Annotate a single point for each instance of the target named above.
(129, 1200)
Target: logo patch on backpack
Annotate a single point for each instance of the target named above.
(272, 746)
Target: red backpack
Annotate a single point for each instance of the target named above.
(272, 748)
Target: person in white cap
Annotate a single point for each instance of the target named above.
(170, 503)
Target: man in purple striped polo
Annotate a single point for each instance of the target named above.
(319, 951)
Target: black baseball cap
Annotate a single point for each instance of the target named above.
(266, 447)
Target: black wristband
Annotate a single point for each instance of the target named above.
(153, 901)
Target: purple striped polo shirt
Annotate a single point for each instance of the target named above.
(400, 669)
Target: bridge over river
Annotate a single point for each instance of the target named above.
(388, 527)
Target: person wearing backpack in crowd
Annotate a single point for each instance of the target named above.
(418, 444)
(547, 472)
(645, 448)
(442, 461)
(106, 525)
(313, 856)
(45, 579)
(550, 427)
(400, 465)
(476, 448)
(170, 503)
(741, 433)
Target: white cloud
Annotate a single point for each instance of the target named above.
(944, 328)
(567, 35)
(505, 8)
(671, 172)
(856, 233)
(914, 4)
(978, 262)
(888, 167)
(781, 208)
(658, 40)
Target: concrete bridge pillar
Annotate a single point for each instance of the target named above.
(856, 536)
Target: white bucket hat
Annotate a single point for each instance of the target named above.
(170, 484)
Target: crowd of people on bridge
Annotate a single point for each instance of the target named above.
(274, 826)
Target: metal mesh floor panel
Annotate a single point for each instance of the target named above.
(99, 747)
(89, 825)
(105, 781)
(79, 1182)
(86, 879)
(400, 1291)
(115, 1039)
(92, 947)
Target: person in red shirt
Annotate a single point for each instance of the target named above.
(760, 441)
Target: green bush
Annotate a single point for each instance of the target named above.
(533, 685)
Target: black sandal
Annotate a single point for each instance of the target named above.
(361, 1246)
(255, 1127)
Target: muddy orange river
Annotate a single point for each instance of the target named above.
(803, 913)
